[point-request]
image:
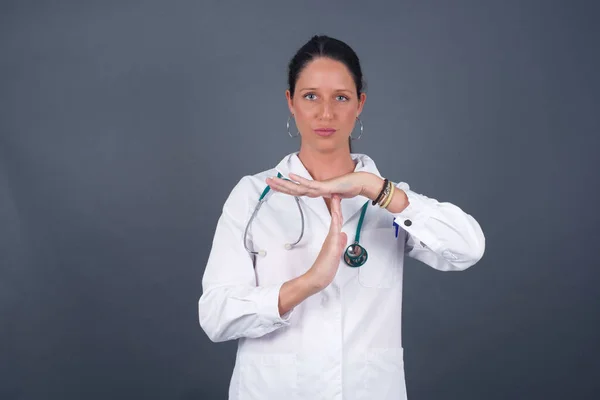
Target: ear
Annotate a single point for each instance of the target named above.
(361, 102)
(290, 102)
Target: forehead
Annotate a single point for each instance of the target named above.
(325, 73)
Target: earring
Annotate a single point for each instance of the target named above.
(288, 128)
(361, 130)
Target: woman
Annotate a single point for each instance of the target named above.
(316, 318)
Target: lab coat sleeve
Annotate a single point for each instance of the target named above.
(232, 305)
(439, 234)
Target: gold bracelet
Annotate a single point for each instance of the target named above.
(385, 193)
(388, 192)
(388, 189)
(389, 199)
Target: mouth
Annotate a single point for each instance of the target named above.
(325, 131)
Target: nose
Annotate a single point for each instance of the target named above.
(326, 110)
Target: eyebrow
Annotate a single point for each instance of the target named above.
(336, 90)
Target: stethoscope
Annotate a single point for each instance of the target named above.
(354, 256)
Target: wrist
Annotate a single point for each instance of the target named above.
(371, 186)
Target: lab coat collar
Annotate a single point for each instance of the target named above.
(350, 207)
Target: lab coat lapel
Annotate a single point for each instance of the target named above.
(350, 207)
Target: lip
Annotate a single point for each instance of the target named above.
(325, 131)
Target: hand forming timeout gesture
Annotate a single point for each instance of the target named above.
(345, 186)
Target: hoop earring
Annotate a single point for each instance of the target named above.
(288, 128)
(361, 130)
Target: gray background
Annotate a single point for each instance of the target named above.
(125, 124)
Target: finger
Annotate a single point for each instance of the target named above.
(333, 227)
(284, 186)
(296, 188)
(334, 232)
(338, 220)
(311, 186)
(336, 206)
(302, 181)
(343, 241)
(339, 238)
(280, 189)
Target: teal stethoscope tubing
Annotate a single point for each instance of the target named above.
(354, 256)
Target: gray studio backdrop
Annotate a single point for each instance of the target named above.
(125, 124)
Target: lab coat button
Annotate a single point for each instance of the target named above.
(408, 222)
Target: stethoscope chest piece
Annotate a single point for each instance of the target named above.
(355, 255)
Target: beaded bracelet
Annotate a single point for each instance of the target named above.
(385, 185)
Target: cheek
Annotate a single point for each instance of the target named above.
(303, 114)
(348, 116)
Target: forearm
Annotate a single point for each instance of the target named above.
(433, 227)
(295, 291)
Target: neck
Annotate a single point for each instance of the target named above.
(323, 166)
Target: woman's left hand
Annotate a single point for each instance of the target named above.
(345, 186)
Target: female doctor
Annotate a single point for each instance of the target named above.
(309, 278)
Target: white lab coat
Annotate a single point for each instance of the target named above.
(345, 341)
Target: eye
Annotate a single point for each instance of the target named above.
(307, 96)
(341, 98)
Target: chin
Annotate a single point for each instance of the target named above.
(328, 146)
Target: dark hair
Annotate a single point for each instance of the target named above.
(325, 46)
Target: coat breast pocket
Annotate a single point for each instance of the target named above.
(382, 268)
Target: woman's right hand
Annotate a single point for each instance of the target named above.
(324, 269)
